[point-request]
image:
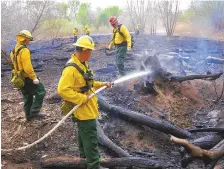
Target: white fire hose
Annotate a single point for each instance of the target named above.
(125, 78)
(55, 127)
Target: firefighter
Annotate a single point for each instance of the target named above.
(75, 85)
(122, 41)
(75, 32)
(137, 30)
(33, 90)
(86, 31)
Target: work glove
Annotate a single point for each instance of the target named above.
(108, 84)
(36, 81)
(129, 49)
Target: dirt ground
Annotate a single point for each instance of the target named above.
(180, 103)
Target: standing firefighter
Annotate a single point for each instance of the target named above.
(75, 32)
(25, 78)
(122, 41)
(86, 31)
(75, 85)
(137, 31)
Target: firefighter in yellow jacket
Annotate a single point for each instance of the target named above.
(122, 41)
(33, 90)
(75, 33)
(75, 85)
(86, 31)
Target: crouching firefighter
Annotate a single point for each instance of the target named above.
(24, 78)
(75, 85)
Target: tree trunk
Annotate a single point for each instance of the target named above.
(79, 163)
(157, 124)
(105, 141)
(193, 77)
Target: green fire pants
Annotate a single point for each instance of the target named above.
(121, 52)
(33, 96)
(88, 143)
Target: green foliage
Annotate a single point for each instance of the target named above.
(209, 12)
(187, 15)
(104, 15)
(83, 14)
(63, 8)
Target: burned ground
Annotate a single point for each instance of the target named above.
(185, 104)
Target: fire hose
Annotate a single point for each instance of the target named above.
(125, 78)
(55, 127)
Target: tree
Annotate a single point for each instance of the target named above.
(19, 15)
(104, 15)
(141, 12)
(169, 11)
(210, 13)
(83, 16)
(73, 6)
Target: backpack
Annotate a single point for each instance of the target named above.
(17, 76)
(119, 31)
(67, 106)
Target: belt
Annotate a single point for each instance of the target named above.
(122, 44)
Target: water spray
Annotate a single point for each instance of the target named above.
(122, 79)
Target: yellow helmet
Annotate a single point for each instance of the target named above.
(85, 42)
(26, 34)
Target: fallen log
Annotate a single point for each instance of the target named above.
(79, 163)
(206, 142)
(215, 60)
(196, 152)
(131, 116)
(211, 129)
(220, 164)
(105, 141)
(193, 77)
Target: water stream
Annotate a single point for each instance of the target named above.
(131, 76)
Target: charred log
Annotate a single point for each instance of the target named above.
(193, 77)
(212, 129)
(131, 116)
(105, 141)
(79, 163)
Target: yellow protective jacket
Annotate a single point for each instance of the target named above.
(75, 32)
(118, 38)
(86, 31)
(24, 61)
(69, 89)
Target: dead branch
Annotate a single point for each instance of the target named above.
(39, 17)
(79, 163)
(157, 124)
(211, 129)
(196, 151)
(206, 142)
(105, 141)
(193, 77)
